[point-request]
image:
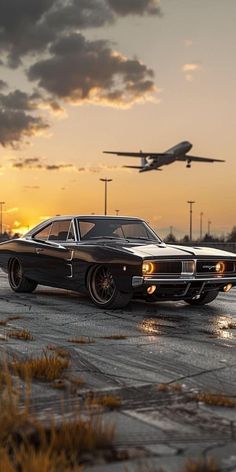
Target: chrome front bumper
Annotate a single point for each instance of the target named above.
(138, 281)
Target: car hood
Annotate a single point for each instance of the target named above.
(166, 250)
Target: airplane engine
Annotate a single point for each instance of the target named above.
(149, 161)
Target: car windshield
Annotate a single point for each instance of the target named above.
(115, 228)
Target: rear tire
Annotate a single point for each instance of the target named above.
(18, 282)
(103, 291)
(207, 297)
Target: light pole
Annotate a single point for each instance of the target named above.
(201, 215)
(106, 181)
(1, 205)
(190, 202)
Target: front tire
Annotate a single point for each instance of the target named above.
(103, 291)
(207, 297)
(18, 282)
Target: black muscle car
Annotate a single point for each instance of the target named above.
(114, 259)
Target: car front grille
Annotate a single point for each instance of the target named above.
(168, 267)
(192, 267)
(209, 267)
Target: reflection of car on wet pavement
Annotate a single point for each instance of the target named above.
(114, 259)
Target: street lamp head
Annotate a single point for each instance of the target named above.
(106, 180)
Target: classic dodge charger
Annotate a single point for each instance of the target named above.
(114, 259)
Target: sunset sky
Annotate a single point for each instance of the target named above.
(81, 76)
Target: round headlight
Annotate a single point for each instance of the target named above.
(220, 267)
(148, 268)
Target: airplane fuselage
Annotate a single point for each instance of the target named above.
(180, 149)
(155, 160)
(176, 151)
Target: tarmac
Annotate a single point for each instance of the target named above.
(132, 353)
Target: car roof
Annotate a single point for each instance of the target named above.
(82, 217)
(64, 217)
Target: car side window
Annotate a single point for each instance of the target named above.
(85, 227)
(59, 230)
(44, 233)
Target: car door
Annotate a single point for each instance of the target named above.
(54, 253)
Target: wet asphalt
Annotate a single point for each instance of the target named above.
(130, 353)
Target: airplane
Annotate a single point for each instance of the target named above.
(153, 161)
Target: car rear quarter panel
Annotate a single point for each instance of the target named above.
(19, 248)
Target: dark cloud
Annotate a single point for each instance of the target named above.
(38, 163)
(135, 7)
(16, 125)
(18, 100)
(63, 62)
(93, 72)
(3, 84)
(28, 26)
(20, 21)
(15, 121)
(80, 14)
(54, 106)
(31, 187)
(58, 166)
(30, 163)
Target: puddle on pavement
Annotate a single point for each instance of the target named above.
(222, 326)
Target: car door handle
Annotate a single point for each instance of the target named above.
(39, 250)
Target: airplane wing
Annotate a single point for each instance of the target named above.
(187, 157)
(139, 154)
(133, 167)
(138, 167)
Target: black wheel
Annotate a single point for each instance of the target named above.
(103, 291)
(17, 281)
(205, 298)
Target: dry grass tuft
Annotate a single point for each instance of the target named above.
(10, 318)
(12, 419)
(162, 387)
(115, 337)
(14, 317)
(201, 465)
(28, 459)
(59, 384)
(26, 446)
(76, 436)
(3, 322)
(108, 401)
(3, 337)
(81, 340)
(59, 351)
(215, 399)
(232, 325)
(77, 381)
(23, 335)
(44, 368)
(175, 387)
